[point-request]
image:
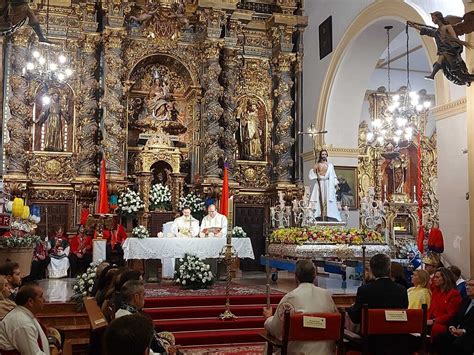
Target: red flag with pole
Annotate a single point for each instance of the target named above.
(419, 197)
(224, 205)
(103, 205)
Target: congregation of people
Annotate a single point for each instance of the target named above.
(448, 297)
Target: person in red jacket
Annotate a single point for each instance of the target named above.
(115, 237)
(80, 255)
(435, 239)
(444, 304)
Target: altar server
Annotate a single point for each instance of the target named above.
(185, 225)
(214, 222)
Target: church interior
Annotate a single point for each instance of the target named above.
(238, 175)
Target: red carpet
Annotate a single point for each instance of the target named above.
(193, 318)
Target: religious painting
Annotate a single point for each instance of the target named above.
(53, 118)
(325, 38)
(251, 116)
(347, 190)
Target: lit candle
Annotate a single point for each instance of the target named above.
(414, 190)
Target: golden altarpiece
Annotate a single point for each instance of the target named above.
(167, 91)
(392, 173)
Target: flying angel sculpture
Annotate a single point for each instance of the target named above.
(449, 45)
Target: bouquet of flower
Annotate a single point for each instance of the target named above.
(13, 241)
(193, 273)
(317, 235)
(85, 282)
(130, 202)
(238, 232)
(140, 232)
(194, 202)
(160, 197)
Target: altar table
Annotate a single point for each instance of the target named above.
(162, 248)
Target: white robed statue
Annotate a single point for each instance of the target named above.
(185, 225)
(323, 196)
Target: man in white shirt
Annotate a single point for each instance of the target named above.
(185, 225)
(214, 223)
(20, 330)
(306, 298)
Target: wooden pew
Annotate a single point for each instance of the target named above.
(98, 324)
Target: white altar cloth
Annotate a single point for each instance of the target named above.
(160, 248)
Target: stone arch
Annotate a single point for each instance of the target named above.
(378, 14)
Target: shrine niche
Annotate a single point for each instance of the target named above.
(160, 102)
(53, 119)
(251, 117)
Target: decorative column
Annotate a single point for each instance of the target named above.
(230, 77)
(20, 109)
(86, 103)
(282, 118)
(177, 189)
(212, 111)
(299, 107)
(114, 130)
(144, 185)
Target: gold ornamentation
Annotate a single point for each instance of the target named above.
(52, 168)
(252, 175)
(283, 117)
(147, 157)
(47, 194)
(212, 112)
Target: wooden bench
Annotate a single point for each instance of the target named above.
(98, 324)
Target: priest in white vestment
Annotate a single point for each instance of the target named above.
(306, 298)
(214, 223)
(185, 225)
(324, 190)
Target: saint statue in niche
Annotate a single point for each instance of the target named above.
(250, 129)
(160, 103)
(53, 122)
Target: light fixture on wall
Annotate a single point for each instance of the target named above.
(402, 116)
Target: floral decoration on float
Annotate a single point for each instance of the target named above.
(317, 235)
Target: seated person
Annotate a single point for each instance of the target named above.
(132, 294)
(214, 224)
(419, 294)
(115, 237)
(59, 263)
(185, 225)
(40, 260)
(12, 273)
(6, 304)
(306, 298)
(20, 331)
(129, 335)
(445, 302)
(459, 339)
(80, 255)
(380, 293)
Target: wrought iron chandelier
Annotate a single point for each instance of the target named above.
(401, 120)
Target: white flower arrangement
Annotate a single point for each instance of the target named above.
(160, 197)
(194, 202)
(193, 273)
(140, 232)
(238, 232)
(85, 282)
(130, 202)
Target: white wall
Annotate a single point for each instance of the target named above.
(343, 12)
(452, 188)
